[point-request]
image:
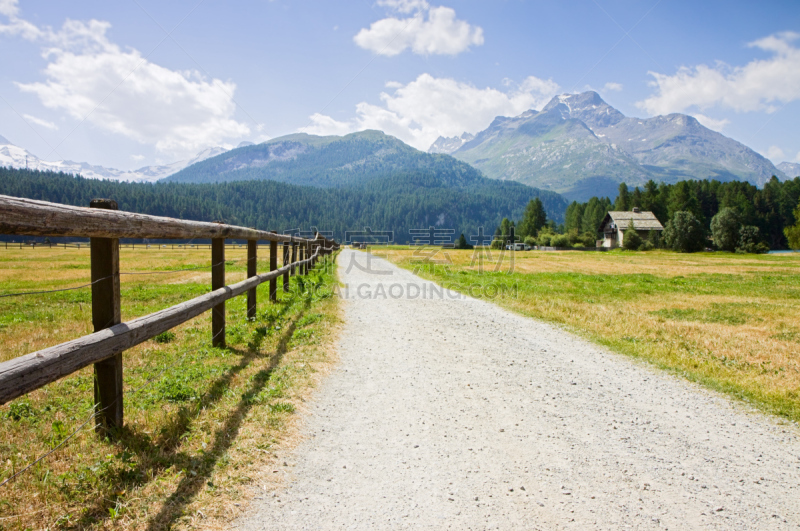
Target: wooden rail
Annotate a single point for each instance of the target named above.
(105, 225)
(29, 217)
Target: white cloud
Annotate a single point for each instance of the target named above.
(40, 122)
(711, 123)
(16, 25)
(775, 154)
(138, 158)
(429, 31)
(611, 86)
(419, 112)
(760, 85)
(124, 93)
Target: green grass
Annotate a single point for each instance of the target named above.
(198, 420)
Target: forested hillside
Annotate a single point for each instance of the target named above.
(328, 162)
(401, 202)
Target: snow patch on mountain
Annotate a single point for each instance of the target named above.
(17, 157)
(447, 145)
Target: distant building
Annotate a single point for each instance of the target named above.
(615, 224)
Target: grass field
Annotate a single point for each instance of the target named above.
(730, 322)
(201, 424)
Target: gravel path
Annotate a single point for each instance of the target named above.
(451, 413)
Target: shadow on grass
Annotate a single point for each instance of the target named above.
(190, 485)
(161, 453)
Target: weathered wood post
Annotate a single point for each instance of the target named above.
(218, 281)
(104, 253)
(252, 262)
(300, 257)
(273, 265)
(294, 255)
(286, 262)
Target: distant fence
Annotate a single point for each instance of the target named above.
(105, 225)
(135, 246)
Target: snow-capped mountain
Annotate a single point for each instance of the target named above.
(580, 146)
(447, 145)
(17, 157)
(790, 169)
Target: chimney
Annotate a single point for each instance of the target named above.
(636, 210)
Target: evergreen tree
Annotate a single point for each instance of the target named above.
(631, 239)
(596, 209)
(682, 198)
(636, 198)
(684, 233)
(574, 216)
(461, 243)
(533, 219)
(623, 202)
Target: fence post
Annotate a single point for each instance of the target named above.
(104, 255)
(294, 256)
(308, 255)
(286, 262)
(273, 265)
(252, 262)
(218, 281)
(301, 255)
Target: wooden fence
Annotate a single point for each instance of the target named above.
(105, 225)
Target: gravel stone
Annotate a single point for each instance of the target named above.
(440, 408)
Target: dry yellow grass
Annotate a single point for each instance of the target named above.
(200, 438)
(728, 321)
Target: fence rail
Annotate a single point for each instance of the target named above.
(104, 224)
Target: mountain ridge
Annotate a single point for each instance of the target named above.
(13, 156)
(580, 146)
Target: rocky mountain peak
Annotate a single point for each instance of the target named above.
(587, 106)
(447, 145)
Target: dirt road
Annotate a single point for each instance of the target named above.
(447, 412)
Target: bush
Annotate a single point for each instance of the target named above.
(684, 233)
(530, 240)
(560, 240)
(793, 232)
(631, 241)
(647, 245)
(654, 237)
(497, 244)
(544, 239)
(750, 241)
(589, 239)
(725, 227)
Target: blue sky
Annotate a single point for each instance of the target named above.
(138, 82)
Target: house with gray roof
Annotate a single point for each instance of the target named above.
(616, 223)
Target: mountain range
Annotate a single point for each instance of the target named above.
(577, 146)
(367, 160)
(580, 146)
(790, 169)
(12, 156)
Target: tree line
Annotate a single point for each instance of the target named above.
(696, 214)
(400, 202)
